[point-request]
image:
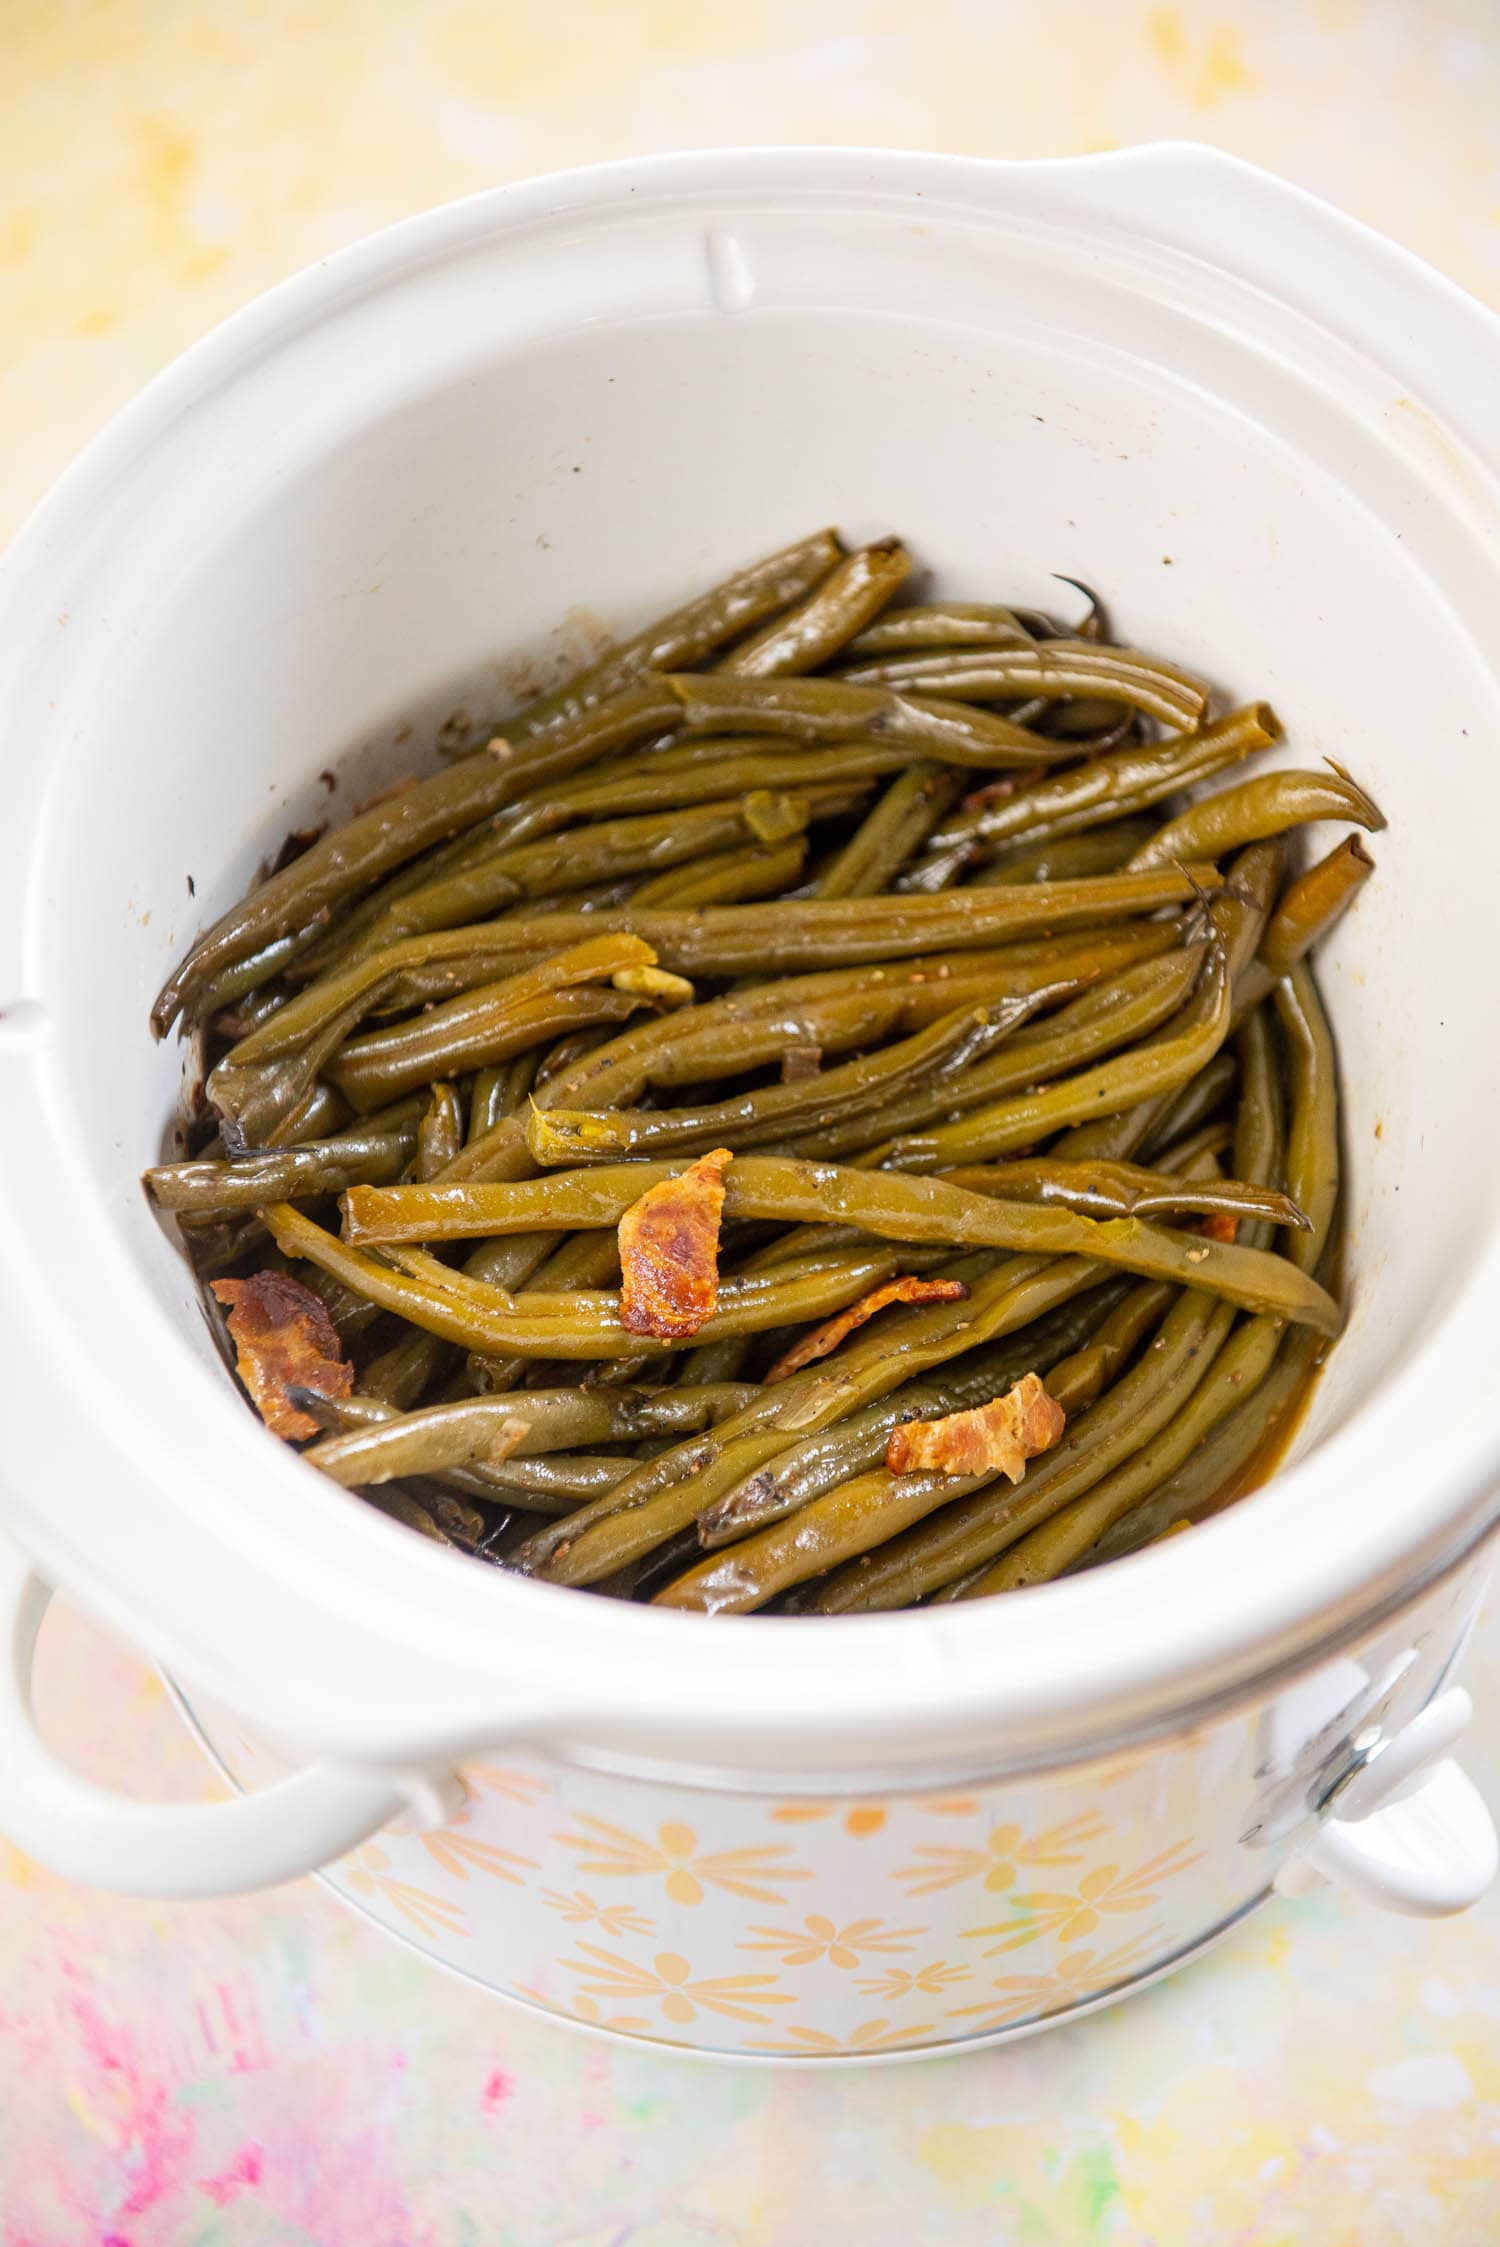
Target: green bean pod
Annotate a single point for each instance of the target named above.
(1118, 786)
(440, 1133)
(854, 592)
(734, 877)
(1255, 810)
(896, 827)
(1127, 1190)
(837, 710)
(941, 624)
(1051, 669)
(1066, 858)
(1104, 1016)
(319, 1166)
(558, 1135)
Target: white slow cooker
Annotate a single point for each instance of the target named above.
(364, 504)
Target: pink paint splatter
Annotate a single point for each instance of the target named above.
(154, 2141)
(245, 2169)
(499, 2088)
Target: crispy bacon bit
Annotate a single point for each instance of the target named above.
(1001, 1435)
(830, 1334)
(799, 1062)
(283, 1338)
(1218, 1226)
(669, 1252)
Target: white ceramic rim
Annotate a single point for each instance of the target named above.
(393, 1650)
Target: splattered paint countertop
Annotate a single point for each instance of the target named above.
(271, 2072)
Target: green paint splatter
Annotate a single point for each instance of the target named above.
(1099, 2185)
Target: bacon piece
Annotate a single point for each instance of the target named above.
(1218, 1226)
(669, 1252)
(1001, 1435)
(830, 1334)
(283, 1338)
(799, 1062)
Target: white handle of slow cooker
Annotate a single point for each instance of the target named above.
(1414, 1834)
(177, 1849)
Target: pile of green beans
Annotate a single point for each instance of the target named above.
(965, 931)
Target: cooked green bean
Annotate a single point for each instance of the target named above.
(721, 940)
(440, 1134)
(1312, 1147)
(836, 710)
(1127, 1190)
(1256, 809)
(1142, 1073)
(924, 916)
(1312, 905)
(1245, 1360)
(721, 766)
(595, 957)
(928, 1211)
(939, 625)
(484, 1026)
(1238, 913)
(582, 1324)
(1053, 1545)
(1066, 858)
(1106, 1015)
(318, 1166)
(733, 877)
(947, 1046)
(834, 1011)
(855, 590)
(898, 825)
(1117, 786)
(1052, 669)
(583, 856)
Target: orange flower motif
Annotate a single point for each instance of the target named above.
(1072, 1914)
(369, 1874)
(926, 1981)
(667, 1984)
(524, 1787)
(864, 1819)
(1080, 1976)
(1004, 1851)
(820, 1938)
(581, 1910)
(455, 1852)
(870, 2036)
(674, 1857)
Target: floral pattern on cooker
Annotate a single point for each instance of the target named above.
(823, 1927)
